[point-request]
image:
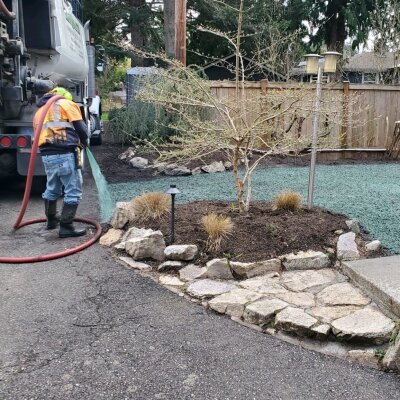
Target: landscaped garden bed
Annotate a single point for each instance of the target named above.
(277, 270)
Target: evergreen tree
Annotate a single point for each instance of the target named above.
(332, 22)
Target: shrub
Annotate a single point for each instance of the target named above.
(150, 205)
(140, 121)
(290, 201)
(218, 228)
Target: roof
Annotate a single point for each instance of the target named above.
(141, 71)
(228, 61)
(372, 62)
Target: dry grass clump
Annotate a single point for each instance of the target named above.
(218, 228)
(289, 201)
(150, 205)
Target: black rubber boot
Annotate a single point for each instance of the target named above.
(50, 209)
(67, 228)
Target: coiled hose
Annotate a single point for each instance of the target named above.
(19, 223)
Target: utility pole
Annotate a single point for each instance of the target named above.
(180, 31)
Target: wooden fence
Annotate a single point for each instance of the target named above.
(374, 127)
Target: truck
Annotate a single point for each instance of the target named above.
(43, 44)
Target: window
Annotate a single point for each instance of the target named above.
(369, 78)
(77, 8)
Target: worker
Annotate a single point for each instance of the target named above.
(63, 135)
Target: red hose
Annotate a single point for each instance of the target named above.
(7, 13)
(19, 223)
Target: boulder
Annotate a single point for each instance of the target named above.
(228, 165)
(250, 270)
(295, 320)
(342, 294)
(215, 166)
(120, 246)
(168, 280)
(121, 215)
(135, 265)
(373, 246)
(303, 300)
(182, 252)
(111, 237)
(178, 171)
(205, 288)
(150, 245)
(367, 325)
(321, 332)
(392, 356)
(347, 247)
(139, 162)
(354, 225)
(263, 311)
(310, 281)
(192, 272)
(233, 302)
(263, 284)
(329, 314)
(196, 171)
(170, 266)
(161, 166)
(218, 268)
(127, 154)
(366, 357)
(305, 260)
(131, 233)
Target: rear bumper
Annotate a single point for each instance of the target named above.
(14, 162)
(23, 156)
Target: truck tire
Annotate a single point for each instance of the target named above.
(38, 185)
(97, 140)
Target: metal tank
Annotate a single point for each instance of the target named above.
(65, 61)
(42, 44)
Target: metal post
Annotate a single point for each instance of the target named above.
(173, 191)
(172, 225)
(317, 109)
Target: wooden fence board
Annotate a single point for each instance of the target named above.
(371, 128)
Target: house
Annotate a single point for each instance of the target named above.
(373, 68)
(224, 69)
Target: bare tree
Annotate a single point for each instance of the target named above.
(238, 124)
(386, 34)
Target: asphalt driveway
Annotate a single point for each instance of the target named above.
(85, 327)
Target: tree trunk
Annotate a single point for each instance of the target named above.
(137, 29)
(336, 25)
(169, 27)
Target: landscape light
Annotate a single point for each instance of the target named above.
(316, 65)
(331, 58)
(173, 191)
(312, 63)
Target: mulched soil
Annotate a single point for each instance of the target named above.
(258, 235)
(117, 171)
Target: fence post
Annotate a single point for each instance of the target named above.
(264, 86)
(345, 115)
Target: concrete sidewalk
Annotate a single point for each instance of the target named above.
(380, 279)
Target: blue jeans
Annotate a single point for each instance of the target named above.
(61, 172)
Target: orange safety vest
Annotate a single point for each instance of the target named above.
(58, 129)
